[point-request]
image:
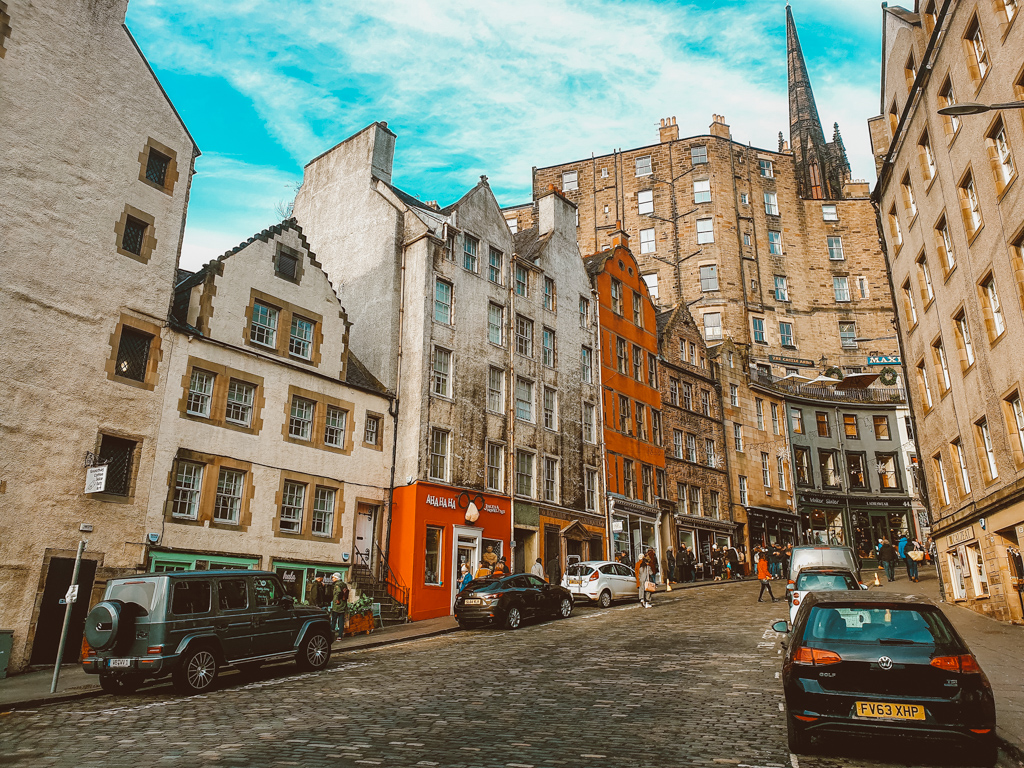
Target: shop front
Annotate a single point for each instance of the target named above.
(297, 577)
(634, 527)
(176, 560)
(855, 521)
(981, 563)
(701, 534)
(768, 526)
(435, 529)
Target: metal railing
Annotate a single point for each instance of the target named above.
(384, 578)
(866, 395)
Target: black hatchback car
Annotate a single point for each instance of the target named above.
(509, 600)
(862, 663)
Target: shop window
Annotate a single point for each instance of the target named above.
(976, 563)
(432, 563)
(956, 559)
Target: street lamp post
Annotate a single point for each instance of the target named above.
(972, 108)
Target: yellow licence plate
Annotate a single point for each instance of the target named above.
(889, 711)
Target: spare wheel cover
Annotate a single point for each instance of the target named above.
(102, 625)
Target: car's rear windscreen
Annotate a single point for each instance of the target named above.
(877, 625)
(576, 569)
(807, 582)
(139, 592)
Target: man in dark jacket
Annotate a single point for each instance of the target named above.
(670, 572)
(734, 562)
(887, 554)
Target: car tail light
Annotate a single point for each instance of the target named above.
(965, 664)
(87, 650)
(155, 650)
(594, 576)
(805, 718)
(815, 657)
(981, 730)
(796, 600)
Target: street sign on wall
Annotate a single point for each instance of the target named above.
(96, 479)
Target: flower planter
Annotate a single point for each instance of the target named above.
(359, 623)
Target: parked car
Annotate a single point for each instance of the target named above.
(879, 663)
(821, 555)
(821, 579)
(600, 581)
(192, 624)
(509, 600)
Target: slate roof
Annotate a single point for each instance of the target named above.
(595, 263)
(529, 243)
(358, 376)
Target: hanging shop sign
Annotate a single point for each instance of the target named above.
(96, 479)
(883, 359)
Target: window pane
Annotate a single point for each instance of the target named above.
(432, 562)
(240, 400)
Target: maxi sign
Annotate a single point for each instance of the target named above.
(883, 359)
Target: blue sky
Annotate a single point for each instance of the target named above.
(481, 87)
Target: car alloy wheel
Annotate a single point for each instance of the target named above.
(316, 651)
(605, 600)
(565, 608)
(197, 672)
(514, 618)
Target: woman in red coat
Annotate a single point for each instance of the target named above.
(764, 576)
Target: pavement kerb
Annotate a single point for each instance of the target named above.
(60, 698)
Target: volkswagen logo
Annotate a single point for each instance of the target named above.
(885, 662)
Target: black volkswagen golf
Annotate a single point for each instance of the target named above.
(509, 600)
(862, 663)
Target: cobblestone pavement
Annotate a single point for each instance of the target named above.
(691, 681)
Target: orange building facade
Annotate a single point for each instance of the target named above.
(631, 400)
(437, 527)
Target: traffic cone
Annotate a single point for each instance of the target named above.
(668, 586)
(877, 582)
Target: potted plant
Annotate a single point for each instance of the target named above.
(360, 616)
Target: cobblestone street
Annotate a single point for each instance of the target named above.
(690, 682)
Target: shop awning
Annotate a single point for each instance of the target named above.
(707, 523)
(622, 504)
(766, 511)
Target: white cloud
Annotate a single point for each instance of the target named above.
(495, 87)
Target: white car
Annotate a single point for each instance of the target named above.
(820, 579)
(600, 581)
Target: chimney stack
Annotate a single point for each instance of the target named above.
(669, 131)
(719, 127)
(620, 237)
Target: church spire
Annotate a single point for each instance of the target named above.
(816, 176)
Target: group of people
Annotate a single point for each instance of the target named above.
(332, 596)
(909, 550)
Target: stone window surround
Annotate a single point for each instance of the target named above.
(285, 311)
(172, 166)
(155, 353)
(136, 457)
(312, 482)
(379, 446)
(219, 401)
(149, 240)
(212, 465)
(322, 402)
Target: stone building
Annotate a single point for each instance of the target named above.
(481, 339)
(94, 181)
(557, 462)
(696, 494)
(772, 248)
(275, 445)
(951, 212)
(757, 452)
(631, 405)
(851, 464)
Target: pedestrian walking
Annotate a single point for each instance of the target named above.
(765, 577)
(646, 571)
(670, 572)
(913, 553)
(733, 558)
(716, 562)
(538, 568)
(787, 558)
(339, 604)
(887, 554)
